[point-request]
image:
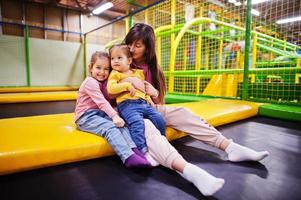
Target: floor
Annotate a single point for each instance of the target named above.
(276, 177)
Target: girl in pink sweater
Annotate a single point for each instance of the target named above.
(94, 113)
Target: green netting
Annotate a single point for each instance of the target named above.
(212, 49)
(277, 54)
(201, 46)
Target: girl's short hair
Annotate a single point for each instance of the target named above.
(123, 47)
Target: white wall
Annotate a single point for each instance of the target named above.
(52, 63)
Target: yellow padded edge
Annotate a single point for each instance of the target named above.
(39, 141)
(37, 89)
(37, 97)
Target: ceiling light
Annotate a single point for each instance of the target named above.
(237, 4)
(102, 8)
(257, 1)
(288, 20)
(255, 12)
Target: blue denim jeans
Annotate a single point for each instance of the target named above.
(133, 112)
(98, 122)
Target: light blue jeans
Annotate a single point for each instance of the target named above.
(98, 122)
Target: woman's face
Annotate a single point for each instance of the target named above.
(137, 49)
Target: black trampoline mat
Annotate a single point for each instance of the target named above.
(10, 110)
(276, 177)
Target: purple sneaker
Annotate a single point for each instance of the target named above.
(139, 153)
(136, 161)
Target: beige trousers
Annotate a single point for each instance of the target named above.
(158, 146)
(184, 120)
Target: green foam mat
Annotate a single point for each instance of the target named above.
(287, 112)
(182, 98)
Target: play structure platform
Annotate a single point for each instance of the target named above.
(39, 141)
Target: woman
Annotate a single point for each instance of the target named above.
(141, 41)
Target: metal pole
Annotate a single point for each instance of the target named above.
(81, 27)
(245, 86)
(85, 56)
(45, 21)
(63, 21)
(172, 46)
(198, 52)
(26, 40)
(131, 21)
(27, 55)
(1, 32)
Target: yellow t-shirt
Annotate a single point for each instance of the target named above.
(114, 87)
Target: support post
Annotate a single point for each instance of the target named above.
(85, 56)
(27, 55)
(172, 46)
(245, 87)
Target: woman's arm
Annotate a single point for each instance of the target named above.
(115, 86)
(145, 87)
(152, 92)
(136, 82)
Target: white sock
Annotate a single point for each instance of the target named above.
(205, 182)
(151, 160)
(237, 153)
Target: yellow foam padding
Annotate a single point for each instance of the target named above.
(214, 87)
(37, 89)
(37, 96)
(39, 141)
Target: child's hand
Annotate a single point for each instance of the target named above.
(136, 82)
(150, 90)
(132, 91)
(118, 121)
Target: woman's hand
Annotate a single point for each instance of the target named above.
(132, 91)
(136, 82)
(152, 103)
(118, 121)
(150, 90)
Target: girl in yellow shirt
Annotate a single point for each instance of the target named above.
(133, 104)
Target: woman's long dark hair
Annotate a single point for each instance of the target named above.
(146, 34)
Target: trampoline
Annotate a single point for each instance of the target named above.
(276, 177)
(44, 156)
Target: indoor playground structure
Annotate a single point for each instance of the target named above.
(236, 64)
